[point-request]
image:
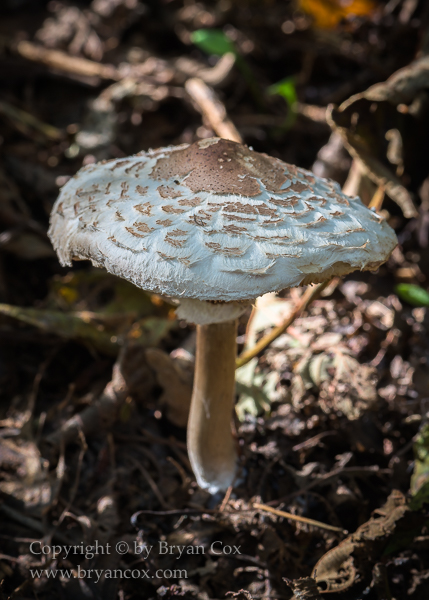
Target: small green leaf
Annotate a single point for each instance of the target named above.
(213, 41)
(413, 294)
(419, 486)
(255, 390)
(286, 89)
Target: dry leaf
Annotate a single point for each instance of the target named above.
(33, 488)
(344, 384)
(327, 14)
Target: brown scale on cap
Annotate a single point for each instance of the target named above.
(142, 190)
(234, 229)
(289, 202)
(240, 207)
(237, 218)
(143, 227)
(144, 209)
(298, 187)
(322, 201)
(224, 167)
(121, 163)
(190, 201)
(168, 192)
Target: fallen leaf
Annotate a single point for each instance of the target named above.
(256, 390)
(327, 14)
(104, 332)
(344, 384)
(34, 487)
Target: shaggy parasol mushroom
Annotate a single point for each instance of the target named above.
(214, 224)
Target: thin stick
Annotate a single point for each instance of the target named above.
(377, 199)
(213, 109)
(152, 484)
(75, 487)
(35, 524)
(64, 62)
(28, 120)
(310, 294)
(226, 499)
(256, 506)
(286, 515)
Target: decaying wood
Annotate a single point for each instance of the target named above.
(337, 569)
(304, 588)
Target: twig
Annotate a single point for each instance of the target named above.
(151, 482)
(286, 515)
(312, 112)
(187, 512)
(176, 446)
(180, 469)
(73, 491)
(213, 109)
(256, 506)
(377, 199)
(26, 119)
(64, 62)
(34, 524)
(310, 294)
(226, 499)
(214, 76)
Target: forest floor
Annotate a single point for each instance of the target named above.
(96, 375)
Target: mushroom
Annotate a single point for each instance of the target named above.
(214, 224)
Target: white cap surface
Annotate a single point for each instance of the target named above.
(215, 221)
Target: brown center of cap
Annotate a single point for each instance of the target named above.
(222, 167)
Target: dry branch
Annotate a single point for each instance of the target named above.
(212, 109)
(56, 59)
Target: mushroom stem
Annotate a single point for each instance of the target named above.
(211, 447)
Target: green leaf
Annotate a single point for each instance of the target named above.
(413, 294)
(255, 390)
(213, 41)
(419, 487)
(286, 89)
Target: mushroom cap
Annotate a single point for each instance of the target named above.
(214, 220)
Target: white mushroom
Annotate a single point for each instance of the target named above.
(214, 225)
